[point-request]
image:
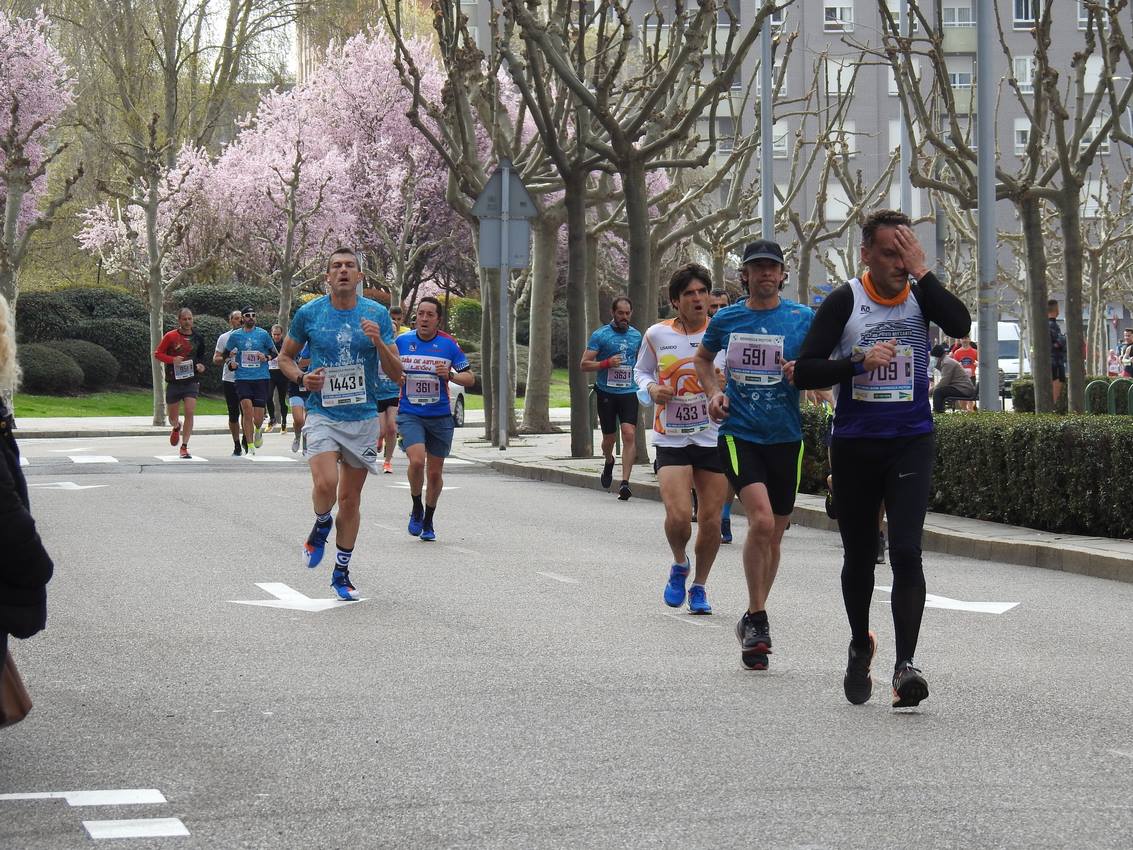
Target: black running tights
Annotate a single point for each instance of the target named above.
(277, 387)
(868, 473)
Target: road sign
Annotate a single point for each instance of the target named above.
(490, 203)
(518, 243)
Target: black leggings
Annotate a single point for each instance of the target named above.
(866, 473)
(277, 386)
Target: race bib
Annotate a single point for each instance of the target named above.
(422, 388)
(619, 377)
(249, 359)
(755, 359)
(273, 363)
(687, 414)
(344, 385)
(886, 384)
(183, 370)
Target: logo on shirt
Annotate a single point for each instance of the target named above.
(343, 339)
(864, 308)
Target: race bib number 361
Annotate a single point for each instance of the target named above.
(755, 359)
(890, 383)
(422, 388)
(344, 385)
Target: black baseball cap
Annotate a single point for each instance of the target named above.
(763, 249)
(248, 310)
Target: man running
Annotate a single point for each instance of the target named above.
(249, 350)
(430, 360)
(388, 395)
(228, 381)
(297, 398)
(718, 300)
(277, 386)
(683, 435)
(870, 337)
(397, 316)
(761, 436)
(612, 352)
(348, 336)
(182, 350)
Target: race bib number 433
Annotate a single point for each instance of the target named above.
(344, 385)
(687, 414)
(755, 359)
(889, 383)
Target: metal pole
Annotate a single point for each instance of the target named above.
(906, 144)
(505, 272)
(766, 125)
(988, 297)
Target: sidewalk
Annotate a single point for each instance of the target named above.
(546, 457)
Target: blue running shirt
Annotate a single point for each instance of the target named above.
(762, 407)
(247, 345)
(338, 345)
(424, 393)
(607, 342)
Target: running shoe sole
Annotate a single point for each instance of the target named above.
(624, 493)
(753, 658)
(428, 535)
(859, 691)
(174, 435)
(699, 609)
(674, 593)
(911, 692)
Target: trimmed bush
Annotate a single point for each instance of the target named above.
(475, 360)
(221, 300)
(44, 316)
(48, 371)
(128, 341)
(464, 318)
(101, 302)
(1023, 396)
(99, 367)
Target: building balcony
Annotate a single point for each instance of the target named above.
(959, 39)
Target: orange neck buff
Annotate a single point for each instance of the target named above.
(876, 296)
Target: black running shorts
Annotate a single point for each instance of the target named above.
(776, 465)
(698, 457)
(385, 404)
(255, 391)
(615, 407)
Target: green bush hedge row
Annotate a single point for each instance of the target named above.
(47, 370)
(128, 341)
(221, 300)
(1023, 396)
(1067, 474)
(100, 369)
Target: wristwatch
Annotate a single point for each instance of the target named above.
(858, 361)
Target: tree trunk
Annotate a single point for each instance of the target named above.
(156, 293)
(1070, 217)
(718, 270)
(640, 285)
(581, 434)
(802, 287)
(544, 273)
(1096, 330)
(594, 309)
(1030, 213)
(286, 277)
(9, 262)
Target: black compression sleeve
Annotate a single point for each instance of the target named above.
(942, 307)
(813, 368)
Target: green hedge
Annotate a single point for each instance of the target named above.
(221, 300)
(102, 302)
(1023, 396)
(99, 367)
(464, 318)
(128, 341)
(44, 316)
(48, 371)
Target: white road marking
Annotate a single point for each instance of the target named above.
(557, 577)
(269, 459)
(93, 459)
(112, 797)
(23, 461)
(458, 461)
(139, 828)
(404, 485)
(287, 597)
(691, 620)
(68, 485)
(1122, 753)
(933, 601)
(179, 459)
(73, 449)
(460, 549)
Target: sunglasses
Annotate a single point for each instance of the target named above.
(247, 314)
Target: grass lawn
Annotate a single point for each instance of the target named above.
(123, 403)
(560, 394)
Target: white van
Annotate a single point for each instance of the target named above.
(1012, 357)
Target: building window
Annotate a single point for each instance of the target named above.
(776, 20)
(894, 7)
(1022, 135)
(1084, 17)
(839, 74)
(1024, 67)
(916, 63)
(1025, 14)
(895, 200)
(837, 202)
(958, 13)
(960, 72)
(845, 138)
(1093, 78)
(838, 17)
(775, 70)
(725, 135)
(779, 133)
(1091, 134)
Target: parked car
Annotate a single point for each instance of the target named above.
(1012, 358)
(456, 403)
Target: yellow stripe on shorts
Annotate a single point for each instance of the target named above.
(732, 455)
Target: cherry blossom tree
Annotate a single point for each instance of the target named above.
(35, 91)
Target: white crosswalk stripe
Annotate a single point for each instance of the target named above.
(93, 459)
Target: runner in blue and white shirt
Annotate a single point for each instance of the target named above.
(430, 359)
(347, 336)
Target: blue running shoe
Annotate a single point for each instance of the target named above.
(675, 587)
(427, 533)
(698, 600)
(415, 523)
(313, 548)
(340, 581)
(726, 529)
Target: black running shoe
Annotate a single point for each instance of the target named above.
(754, 636)
(624, 492)
(858, 683)
(881, 547)
(909, 686)
(244, 444)
(607, 474)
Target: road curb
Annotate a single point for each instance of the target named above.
(1063, 556)
(94, 433)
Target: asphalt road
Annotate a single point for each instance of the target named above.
(520, 684)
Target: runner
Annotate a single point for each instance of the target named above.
(348, 336)
(277, 386)
(297, 398)
(182, 350)
(761, 436)
(683, 435)
(397, 316)
(881, 448)
(228, 381)
(249, 350)
(430, 360)
(611, 353)
(388, 394)
(716, 302)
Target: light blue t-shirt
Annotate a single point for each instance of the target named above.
(337, 344)
(607, 342)
(257, 339)
(387, 389)
(762, 406)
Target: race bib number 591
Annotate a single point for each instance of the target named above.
(755, 359)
